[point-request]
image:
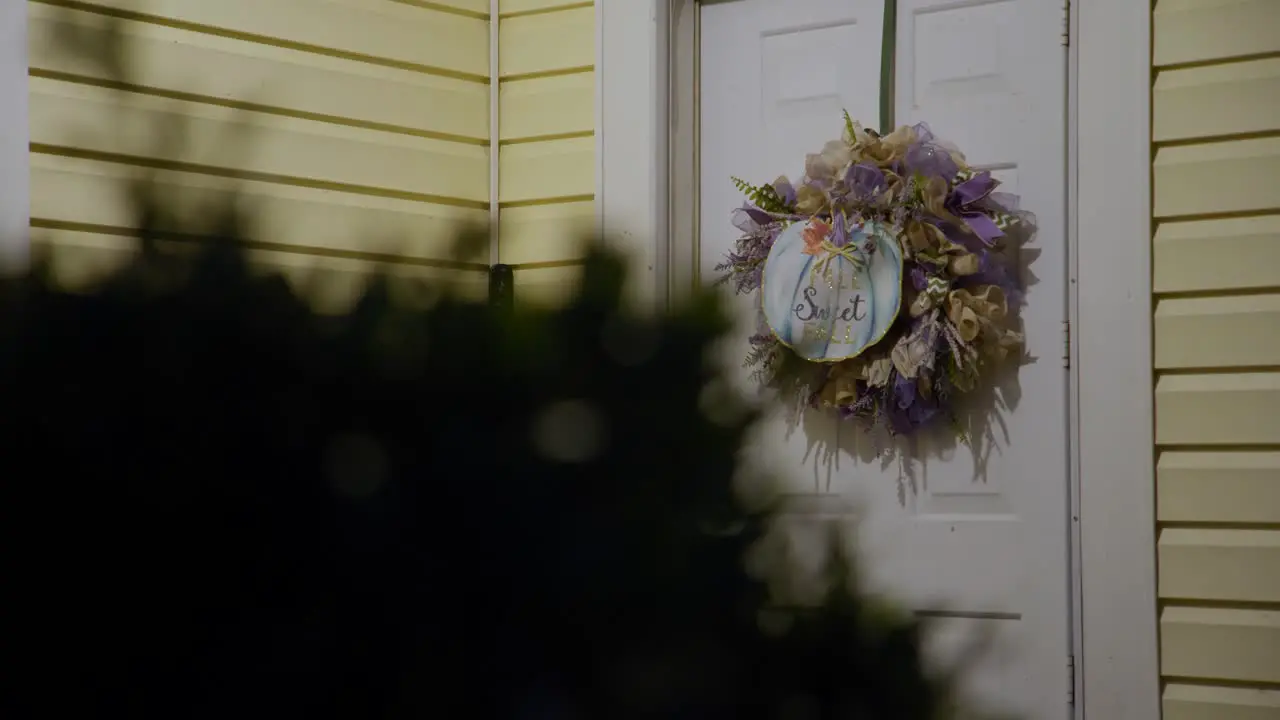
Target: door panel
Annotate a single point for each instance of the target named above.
(774, 79)
(976, 536)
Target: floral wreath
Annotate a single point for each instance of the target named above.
(900, 228)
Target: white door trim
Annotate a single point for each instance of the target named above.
(630, 164)
(1111, 346)
(15, 166)
(647, 190)
(646, 164)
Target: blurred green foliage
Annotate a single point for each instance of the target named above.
(248, 508)
(221, 503)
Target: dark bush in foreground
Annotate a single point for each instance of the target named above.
(232, 507)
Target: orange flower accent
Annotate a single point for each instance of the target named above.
(814, 235)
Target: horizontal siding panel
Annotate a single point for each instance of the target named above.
(79, 259)
(391, 31)
(1250, 89)
(306, 218)
(1220, 644)
(76, 116)
(538, 107)
(506, 7)
(542, 170)
(547, 42)
(1207, 702)
(551, 119)
(1217, 78)
(1224, 565)
(547, 286)
(1226, 254)
(1235, 331)
(545, 233)
(174, 60)
(1190, 31)
(471, 7)
(1218, 487)
(1218, 409)
(1220, 177)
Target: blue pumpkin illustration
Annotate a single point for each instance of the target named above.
(831, 290)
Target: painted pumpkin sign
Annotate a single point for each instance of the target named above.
(832, 289)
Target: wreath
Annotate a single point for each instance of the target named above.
(885, 287)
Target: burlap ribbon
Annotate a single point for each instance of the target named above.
(983, 311)
(841, 384)
(882, 150)
(933, 195)
(926, 243)
(811, 201)
(914, 352)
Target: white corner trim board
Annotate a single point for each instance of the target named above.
(629, 171)
(15, 175)
(1112, 346)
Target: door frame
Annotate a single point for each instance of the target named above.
(647, 180)
(15, 165)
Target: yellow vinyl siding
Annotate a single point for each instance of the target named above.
(545, 233)
(358, 129)
(1230, 487)
(512, 8)
(1245, 255)
(558, 41)
(547, 160)
(1216, 275)
(380, 32)
(1201, 31)
(548, 108)
(467, 8)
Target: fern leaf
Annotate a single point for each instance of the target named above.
(850, 132)
(764, 197)
(744, 187)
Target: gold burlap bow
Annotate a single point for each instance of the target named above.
(928, 243)
(841, 387)
(934, 197)
(883, 151)
(924, 239)
(983, 311)
(810, 201)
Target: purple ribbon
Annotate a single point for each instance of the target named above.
(962, 201)
(786, 191)
(749, 219)
(865, 180)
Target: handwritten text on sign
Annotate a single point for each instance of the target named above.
(829, 306)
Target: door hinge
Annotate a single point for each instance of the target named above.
(1066, 23)
(1066, 344)
(1071, 680)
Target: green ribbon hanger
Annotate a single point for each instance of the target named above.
(888, 45)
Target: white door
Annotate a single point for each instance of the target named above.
(977, 538)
